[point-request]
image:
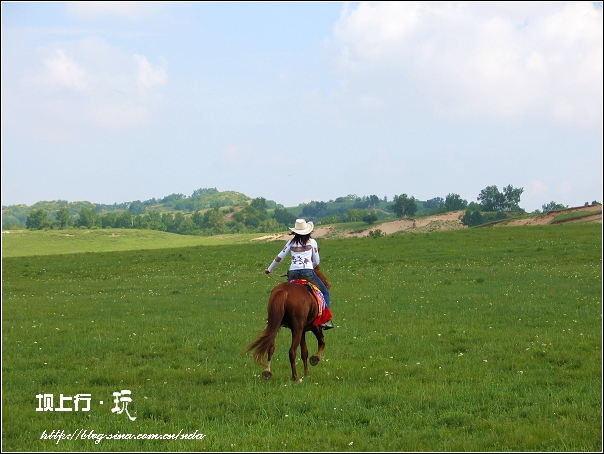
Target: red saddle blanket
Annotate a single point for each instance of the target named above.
(324, 311)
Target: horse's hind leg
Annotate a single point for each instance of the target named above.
(318, 332)
(304, 351)
(266, 373)
(296, 339)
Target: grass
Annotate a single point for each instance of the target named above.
(52, 242)
(472, 340)
(574, 215)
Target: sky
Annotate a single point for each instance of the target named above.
(112, 102)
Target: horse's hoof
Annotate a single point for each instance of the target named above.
(266, 374)
(314, 360)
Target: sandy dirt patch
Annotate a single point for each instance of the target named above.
(445, 221)
(549, 217)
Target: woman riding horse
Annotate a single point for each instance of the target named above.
(294, 306)
(304, 258)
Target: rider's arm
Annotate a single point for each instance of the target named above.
(316, 259)
(278, 259)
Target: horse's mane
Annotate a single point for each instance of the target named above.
(321, 276)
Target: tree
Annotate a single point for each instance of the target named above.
(186, 227)
(87, 218)
(552, 206)
(370, 217)
(314, 210)
(197, 218)
(320, 208)
(108, 220)
(214, 222)
(308, 211)
(472, 218)
(63, 218)
(167, 219)
(491, 199)
(203, 191)
(269, 225)
(253, 216)
(154, 221)
(374, 200)
(404, 205)
(38, 219)
(376, 233)
(139, 221)
(361, 202)
(434, 203)
(332, 219)
(137, 207)
(512, 197)
(252, 220)
(473, 206)
(172, 197)
(177, 221)
(124, 220)
(353, 215)
(282, 216)
(259, 203)
(454, 202)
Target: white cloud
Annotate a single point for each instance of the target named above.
(64, 71)
(131, 10)
(373, 32)
(502, 59)
(106, 86)
(149, 76)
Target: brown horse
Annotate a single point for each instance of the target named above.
(293, 306)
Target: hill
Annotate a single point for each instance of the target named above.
(201, 200)
(450, 221)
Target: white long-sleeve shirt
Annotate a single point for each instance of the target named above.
(303, 257)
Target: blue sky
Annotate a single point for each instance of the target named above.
(117, 101)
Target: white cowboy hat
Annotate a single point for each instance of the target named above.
(302, 227)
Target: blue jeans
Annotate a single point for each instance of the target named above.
(310, 275)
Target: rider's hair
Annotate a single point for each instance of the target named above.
(300, 239)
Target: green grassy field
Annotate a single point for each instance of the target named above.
(470, 340)
(21, 243)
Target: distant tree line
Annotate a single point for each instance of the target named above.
(249, 218)
(215, 212)
(368, 209)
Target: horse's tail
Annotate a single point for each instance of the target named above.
(276, 311)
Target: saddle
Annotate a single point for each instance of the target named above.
(324, 313)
